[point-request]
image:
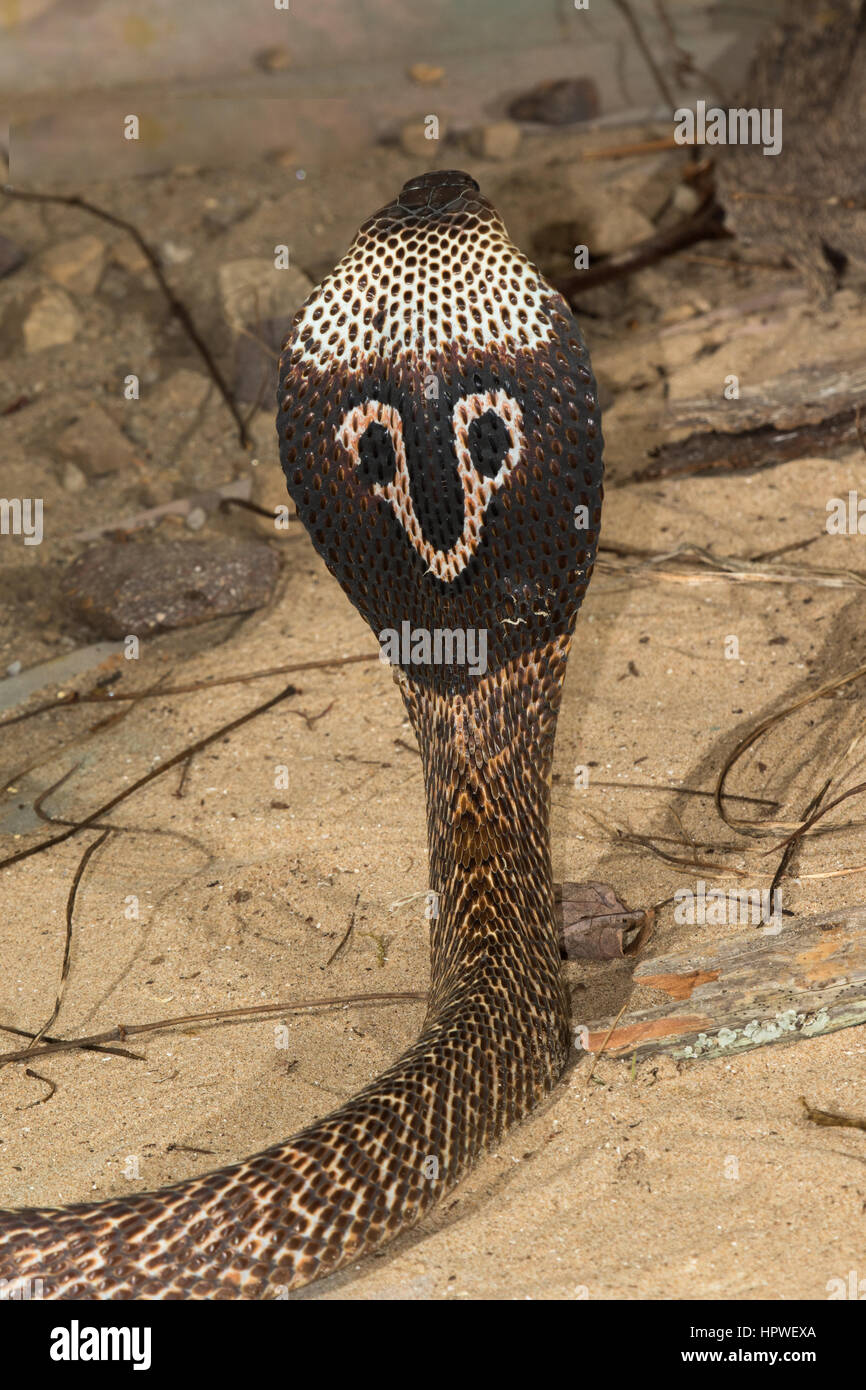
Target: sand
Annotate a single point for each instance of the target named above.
(661, 1181)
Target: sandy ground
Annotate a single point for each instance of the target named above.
(657, 1181)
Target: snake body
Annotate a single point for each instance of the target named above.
(440, 435)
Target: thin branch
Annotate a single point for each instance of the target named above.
(704, 225)
(122, 1031)
(73, 699)
(640, 39)
(67, 950)
(46, 1082)
(752, 827)
(87, 1047)
(346, 936)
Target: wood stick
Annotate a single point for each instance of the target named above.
(799, 981)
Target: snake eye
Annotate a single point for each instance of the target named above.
(377, 462)
(488, 442)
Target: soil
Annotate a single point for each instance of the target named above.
(232, 882)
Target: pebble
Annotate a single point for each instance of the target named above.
(253, 290)
(614, 226)
(72, 479)
(686, 199)
(11, 256)
(220, 214)
(129, 256)
(137, 588)
(175, 406)
(172, 254)
(96, 444)
(497, 140)
(275, 59)
(14, 668)
(558, 103)
(414, 141)
(76, 264)
(51, 321)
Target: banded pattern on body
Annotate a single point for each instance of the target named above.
(440, 436)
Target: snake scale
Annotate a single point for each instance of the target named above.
(439, 430)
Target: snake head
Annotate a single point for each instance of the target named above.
(439, 429)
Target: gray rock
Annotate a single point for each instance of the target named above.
(254, 290)
(11, 256)
(96, 444)
(123, 589)
(558, 103)
(171, 411)
(257, 353)
(612, 227)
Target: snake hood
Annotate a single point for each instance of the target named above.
(439, 427)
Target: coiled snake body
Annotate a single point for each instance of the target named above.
(440, 435)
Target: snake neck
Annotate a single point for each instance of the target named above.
(487, 751)
(495, 1041)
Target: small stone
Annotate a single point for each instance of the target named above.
(96, 443)
(113, 283)
(425, 74)
(143, 587)
(222, 213)
(76, 264)
(11, 256)
(51, 321)
(14, 668)
(497, 140)
(72, 479)
(254, 290)
(679, 313)
(686, 199)
(275, 59)
(175, 407)
(558, 103)
(415, 140)
(196, 518)
(613, 227)
(129, 256)
(173, 254)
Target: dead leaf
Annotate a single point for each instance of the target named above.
(594, 924)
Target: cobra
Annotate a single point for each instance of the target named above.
(439, 430)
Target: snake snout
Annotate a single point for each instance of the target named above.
(436, 189)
